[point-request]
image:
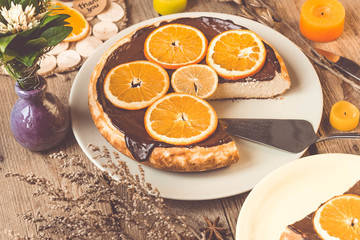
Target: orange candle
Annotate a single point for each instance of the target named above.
(322, 20)
(344, 116)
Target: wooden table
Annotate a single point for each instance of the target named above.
(15, 197)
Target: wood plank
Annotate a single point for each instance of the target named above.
(16, 196)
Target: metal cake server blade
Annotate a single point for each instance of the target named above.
(292, 135)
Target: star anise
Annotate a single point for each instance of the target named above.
(213, 230)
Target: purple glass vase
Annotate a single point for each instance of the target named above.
(39, 120)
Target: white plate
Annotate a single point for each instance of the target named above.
(302, 101)
(293, 191)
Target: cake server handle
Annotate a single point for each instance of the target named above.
(351, 135)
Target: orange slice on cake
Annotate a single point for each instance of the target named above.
(136, 85)
(339, 218)
(180, 119)
(175, 45)
(77, 21)
(197, 79)
(236, 54)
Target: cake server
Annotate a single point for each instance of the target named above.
(344, 65)
(292, 135)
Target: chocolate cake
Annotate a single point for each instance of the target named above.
(125, 130)
(304, 229)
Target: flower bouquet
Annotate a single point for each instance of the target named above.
(28, 29)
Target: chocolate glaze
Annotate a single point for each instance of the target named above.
(305, 227)
(131, 122)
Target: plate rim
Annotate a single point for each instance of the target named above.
(98, 53)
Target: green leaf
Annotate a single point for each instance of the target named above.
(30, 58)
(37, 43)
(54, 20)
(55, 35)
(9, 55)
(5, 41)
(27, 33)
(55, 31)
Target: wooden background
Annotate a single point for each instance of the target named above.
(15, 197)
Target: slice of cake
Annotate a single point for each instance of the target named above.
(248, 66)
(125, 129)
(304, 229)
(271, 81)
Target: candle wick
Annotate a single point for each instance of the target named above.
(345, 113)
(322, 13)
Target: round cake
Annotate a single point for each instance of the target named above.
(125, 130)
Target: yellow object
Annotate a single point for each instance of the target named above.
(136, 85)
(344, 116)
(236, 54)
(197, 79)
(175, 45)
(180, 119)
(339, 218)
(322, 20)
(77, 21)
(165, 7)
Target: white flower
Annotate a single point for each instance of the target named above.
(18, 20)
(3, 28)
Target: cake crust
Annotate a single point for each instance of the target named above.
(288, 234)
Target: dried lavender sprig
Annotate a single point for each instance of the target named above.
(78, 217)
(68, 222)
(141, 189)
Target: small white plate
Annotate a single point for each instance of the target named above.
(302, 101)
(293, 191)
